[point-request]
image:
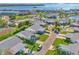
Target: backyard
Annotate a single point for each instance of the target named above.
(59, 41)
(43, 37)
(33, 47)
(9, 32)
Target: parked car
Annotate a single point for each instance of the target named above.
(39, 48)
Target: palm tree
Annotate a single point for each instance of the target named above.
(41, 15)
(62, 14)
(3, 22)
(33, 38)
(56, 22)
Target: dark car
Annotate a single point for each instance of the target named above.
(39, 48)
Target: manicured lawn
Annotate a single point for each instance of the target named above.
(43, 37)
(53, 52)
(50, 52)
(59, 41)
(56, 52)
(65, 32)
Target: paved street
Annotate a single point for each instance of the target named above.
(46, 45)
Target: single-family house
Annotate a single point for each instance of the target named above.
(25, 34)
(49, 21)
(36, 28)
(72, 49)
(73, 37)
(76, 29)
(36, 21)
(28, 35)
(11, 45)
(17, 22)
(63, 21)
(51, 15)
(76, 24)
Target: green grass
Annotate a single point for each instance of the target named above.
(56, 52)
(59, 41)
(13, 31)
(33, 47)
(53, 52)
(50, 52)
(56, 43)
(43, 37)
(65, 32)
(22, 17)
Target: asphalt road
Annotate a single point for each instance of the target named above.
(46, 45)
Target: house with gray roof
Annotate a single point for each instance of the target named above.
(72, 49)
(76, 29)
(76, 24)
(63, 21)
(73, 37)
(36, 21)
(25, 34)
(11, 45)
(51, 15)
(49, 21)
(35, 28)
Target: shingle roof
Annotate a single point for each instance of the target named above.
(49, 20)
(13, 43)
(36, 21)
(75, 24)
(16, 48)
(25, 34)
(73, 48)
(63, 20)
(9, 42)
(36, 28)
(75, 28)
(73, 36)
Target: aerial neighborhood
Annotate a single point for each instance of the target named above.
(38, 31)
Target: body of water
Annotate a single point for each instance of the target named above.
(54, 6)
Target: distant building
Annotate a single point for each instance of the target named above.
(49, 21)
(36, 21)
(11, 45)
(52, 15)
(6, 18)
(76, 29)
(75, 26)
(72, 49)
(63, 21)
